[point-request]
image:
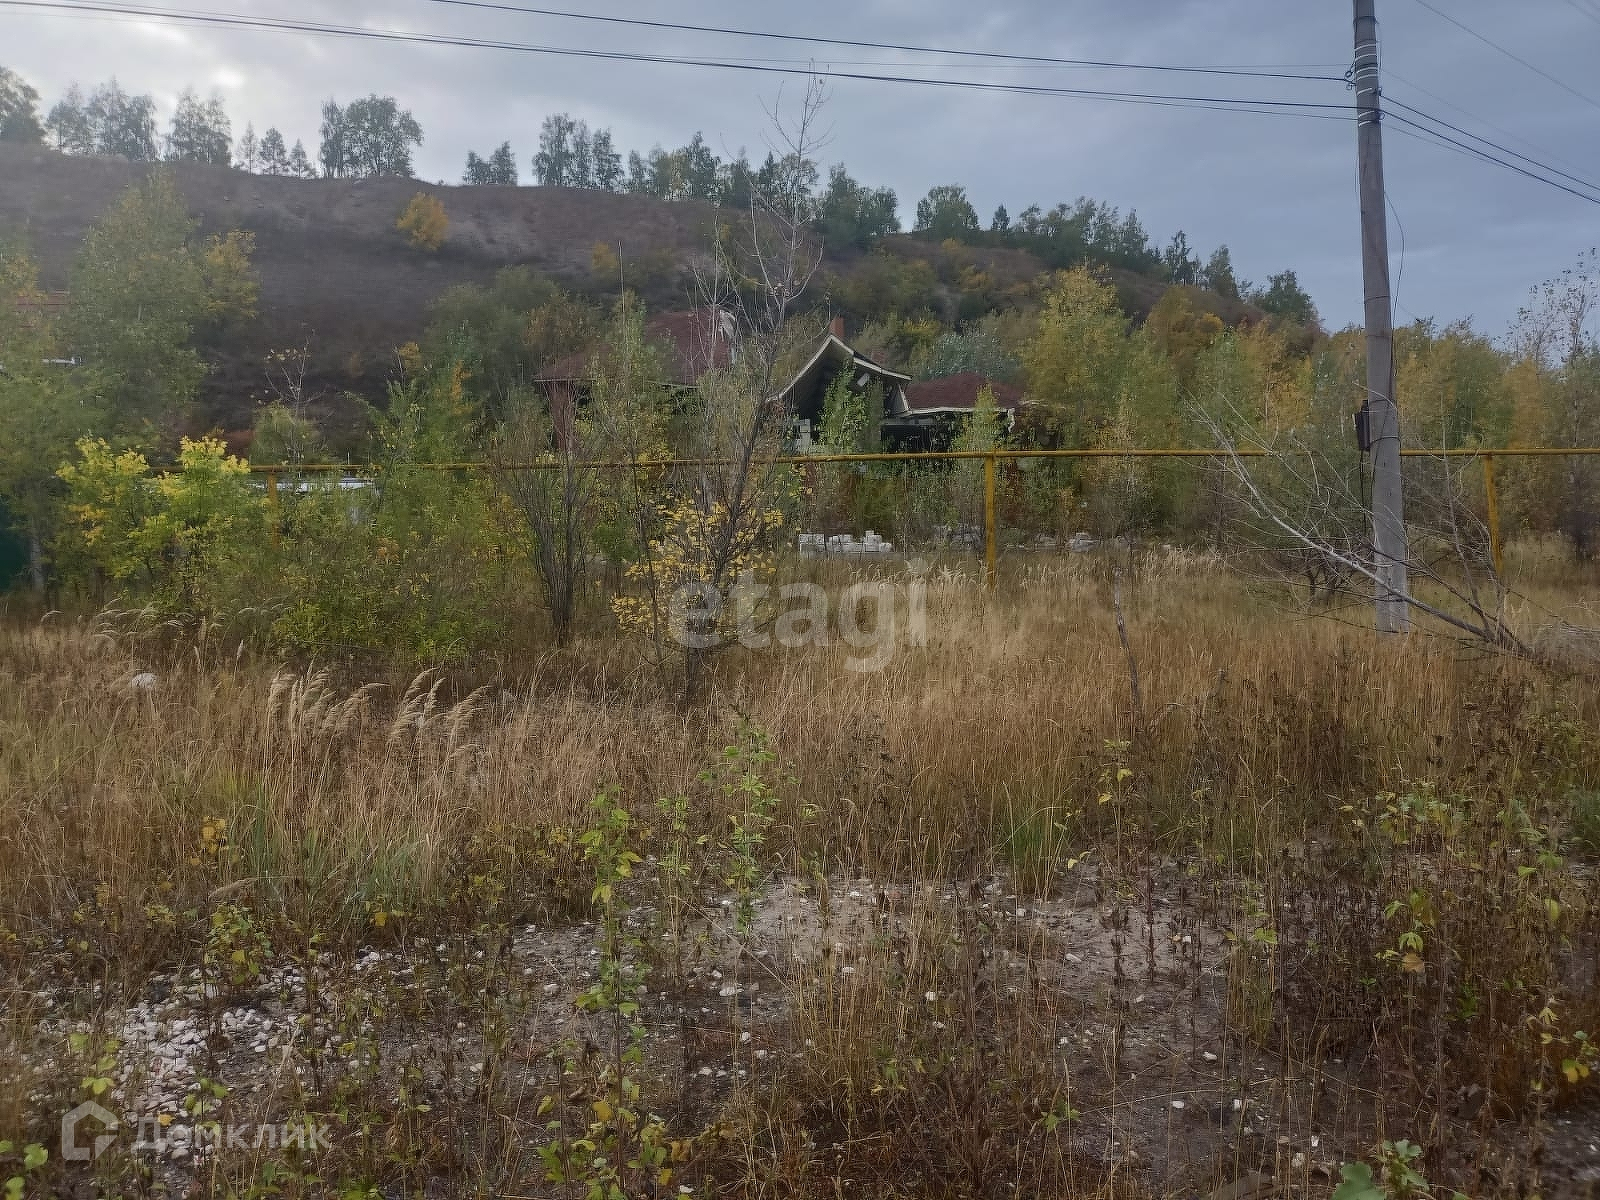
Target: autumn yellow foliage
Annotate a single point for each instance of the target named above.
(424, 222)
(684, 558)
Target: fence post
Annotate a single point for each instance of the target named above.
(272, 507)
(991, 573)
(1493, 505)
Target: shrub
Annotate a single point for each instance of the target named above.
(189, 535)
(424, 222)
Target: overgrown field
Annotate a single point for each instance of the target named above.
(979, 923)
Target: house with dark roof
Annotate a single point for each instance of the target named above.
(921, 415)
(937, 409)
(805, 396)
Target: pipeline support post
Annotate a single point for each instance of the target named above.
(991, 570)
(1492, 504)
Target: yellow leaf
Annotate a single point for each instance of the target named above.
(663, 1177)
(1411, 963)
(603, 1110)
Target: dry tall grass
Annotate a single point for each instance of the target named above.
(968, 752)
(368, 810)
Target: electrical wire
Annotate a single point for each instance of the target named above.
(1516, 58)
(1468, 148)
(1588, 12)
(1493, 145)
(1393, 77)
(1257, 105)
(811, 39)
(1400, 278)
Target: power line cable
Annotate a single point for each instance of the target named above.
(1257, 105)
(1400, 278)
(1487, 157)
(1260, 106)
(1540, 71)
(1552, 155)
(1493, 145)
(1588, 12)
(812, 39)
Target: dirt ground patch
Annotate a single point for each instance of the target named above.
(1161, 1094)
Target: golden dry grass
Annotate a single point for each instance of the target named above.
(346, 811)
(347, 788)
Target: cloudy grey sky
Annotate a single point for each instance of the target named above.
(1279, 190)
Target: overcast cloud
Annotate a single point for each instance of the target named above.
(1280, 191)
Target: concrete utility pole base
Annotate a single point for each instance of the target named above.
(1390, 551)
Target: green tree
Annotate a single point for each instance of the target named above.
(300, 162)
(43, 409)
(414, 572)
(19, 109)
(477, 170)
(1074, 362)
(1130, 495)
(68, 123)
(1454, 384)
(1180, 330)
(274, 154)
(503, 166)
(1557, 337)
(1218, 274)
(142, 285)
(201, 132)
(1283, 297)
(945, 212)
(786, 183)
(368, 139)
(701, 169)
(249, 151)
(852, 214)
(1178, 260)
(506, 333)
(123, 126)
(499, 169)
(562, 159)
(736, 187)
(978, 348)
(1001, 224)
(607, 162)
(639, 179)
(981, 432)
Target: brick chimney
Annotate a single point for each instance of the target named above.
(836, 327)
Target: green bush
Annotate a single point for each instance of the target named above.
(188, 537)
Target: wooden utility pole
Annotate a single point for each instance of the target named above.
(1383, 417)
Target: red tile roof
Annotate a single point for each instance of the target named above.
(960, 391)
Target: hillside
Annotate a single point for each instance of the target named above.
(336, 275)
(334, 271)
